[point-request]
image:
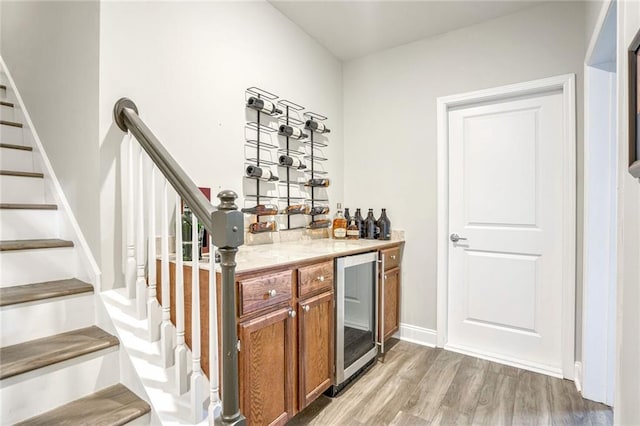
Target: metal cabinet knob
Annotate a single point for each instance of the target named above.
(393, 257)
(305, 308)
(455, 238)
(292, 313)
(321, 278)
(385, 276)
(272, 293)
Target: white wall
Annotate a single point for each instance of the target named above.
(187, 65)
(390, 121)
(627, 406)
(51, 50)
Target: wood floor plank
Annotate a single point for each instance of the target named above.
(425, 401)
(115, 405)
(23, 357)
(531, 405)
(464, 391)
(41, 291)
(496, 401)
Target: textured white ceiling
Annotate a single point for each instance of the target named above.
(350, 29)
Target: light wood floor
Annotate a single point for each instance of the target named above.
(416, 385)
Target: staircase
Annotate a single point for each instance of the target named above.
(56, 365)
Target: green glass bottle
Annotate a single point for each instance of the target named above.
(187, 227)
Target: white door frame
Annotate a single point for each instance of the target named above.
(566, 83)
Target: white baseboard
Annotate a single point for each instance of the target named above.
(414, 334)
(577, 376)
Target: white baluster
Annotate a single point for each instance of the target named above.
(214, 398)
(181, 348)
(130, 267)
(153, 307)
(141, 285)
(198, 393)
(166, 331)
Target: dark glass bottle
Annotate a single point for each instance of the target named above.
(291, 132)
(360, 222)
(316, 126)
(384, 224)
(261, 173)
(370, 226)
(347, 215)
(187, 226)
(263, 105)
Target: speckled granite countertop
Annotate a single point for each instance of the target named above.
(257, 257)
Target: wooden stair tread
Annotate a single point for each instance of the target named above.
(7, 104)
(28, 356)
(12, 146)
(115, 405)
(21, 174)
(40, 291)
(10, 123)
(21, 206)
(7, 245)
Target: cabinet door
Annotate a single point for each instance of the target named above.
(389, 317)
(267, 368)
(315, 340)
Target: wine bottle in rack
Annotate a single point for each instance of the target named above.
(316, 126)
(296, 209)
(263, 105)
(292, 162)
(262, 227)
(320, 223)
(318, 210)
(261, 173)
(291, 132)
(261, 210)
(318, 182)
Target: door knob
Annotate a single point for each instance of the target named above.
(455, 238)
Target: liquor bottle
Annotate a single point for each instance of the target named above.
(317, 210)
(291, 132)
(316, 126)
(261, 210)
(317, 182)
(339, 224)
(257, 227)
(347, 215)
(360, 222)
(353, 232)
(385, 226)
(292, 162)
(320, 223)
(261, 173)
(187, 226)
(370, 226)
(263, 105)
(376, 234)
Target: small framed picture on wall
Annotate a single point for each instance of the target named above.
(634, 107)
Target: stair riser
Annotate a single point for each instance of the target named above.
(17, 160)
(17, 189)
(29, 224)
(11, 134)
(23, 322)
(33, 266)
(38, 391)
(7, 113)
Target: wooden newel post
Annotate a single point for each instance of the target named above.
(228, 235)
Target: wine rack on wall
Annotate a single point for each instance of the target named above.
(281, 160)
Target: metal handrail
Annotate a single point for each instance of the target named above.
(225, 224)
(126, 117)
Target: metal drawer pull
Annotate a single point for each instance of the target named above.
(305, 308)
(292, 313)
(321, 278)
(272, 293)
(393, 257)
(385, 276)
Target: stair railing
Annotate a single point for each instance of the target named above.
(224, 225)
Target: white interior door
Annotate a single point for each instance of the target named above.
(505, 288)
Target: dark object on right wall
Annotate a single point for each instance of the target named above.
(634, 107)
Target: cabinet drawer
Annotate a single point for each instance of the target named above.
(314, 278)
(391, 258)
(264, 291)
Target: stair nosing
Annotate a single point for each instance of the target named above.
(13, 146)
(42, 291)
(96, 340)
(28, 206)
(11, 123)
(128, 411)
(34, 244)
(18, 173)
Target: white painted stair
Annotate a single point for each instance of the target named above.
(56, 365)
